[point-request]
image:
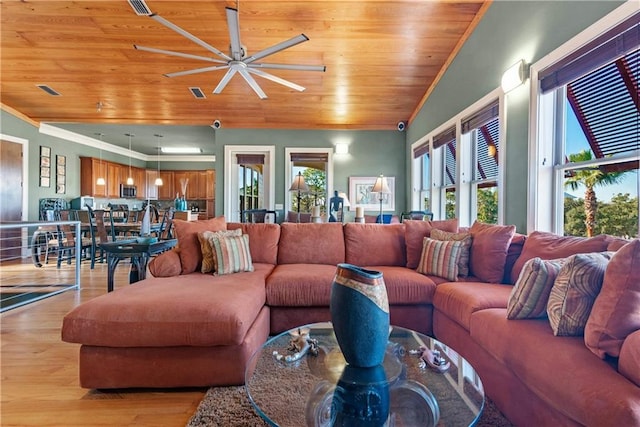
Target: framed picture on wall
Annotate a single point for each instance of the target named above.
(360, 194)
(61, 174)
(45, 166)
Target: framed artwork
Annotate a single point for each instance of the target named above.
(61, 174)
(360, 194)
(45, 166)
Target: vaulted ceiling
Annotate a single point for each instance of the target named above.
(381, 58)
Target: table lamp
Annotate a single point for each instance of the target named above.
(381, 187)
(300, 186)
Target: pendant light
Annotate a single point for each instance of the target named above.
(100, 180)
(158, 178)
(130, 178)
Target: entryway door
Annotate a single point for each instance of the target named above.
(11, 189)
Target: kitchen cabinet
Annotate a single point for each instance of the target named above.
(194, 189)
(166, 192)
(114, 179)
(151, 189)
(90, 170)
(209, 184)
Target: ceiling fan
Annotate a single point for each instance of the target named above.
(237, 61)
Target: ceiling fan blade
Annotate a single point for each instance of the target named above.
(225, 80)
(289, 67)
(180, 54)
(190, 36)
(233, 23)
(253, 83)
(276, 79)
(196, 71)
(276, 48)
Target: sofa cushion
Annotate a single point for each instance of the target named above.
(574, 291)
(551, 246)
(560, 370)
(167, 264)
(460, 300)
(615, 313)
(231, 254)
(629, 362)
(530, 294)
(374, 244)
(208, 263)
(296, 285)
(406, 286)
(415, 231)
(199, 310)
(263, 240)
(440, 258)
(489, 250)
(312, 243)
(515, 249)
(188, 244)
(465, 238)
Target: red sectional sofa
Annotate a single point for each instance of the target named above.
(185, 328)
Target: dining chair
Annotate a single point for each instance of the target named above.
(419, 215)
(258, 216)
(166, 227)
(67, 239)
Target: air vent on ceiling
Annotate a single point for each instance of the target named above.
(197, 92)
(140, 7)
(49, 90)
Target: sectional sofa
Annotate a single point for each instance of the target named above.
(183, 327)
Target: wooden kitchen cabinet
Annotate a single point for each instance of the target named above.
(151, 189)
(210, 184)
(114, 179)
(166, 192)
(90, 170)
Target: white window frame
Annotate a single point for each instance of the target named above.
(231, 184)
(545, 182)
(465, 210)
(288, 178)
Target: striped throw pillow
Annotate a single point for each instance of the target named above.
(530, 294)
(574, 292)
(208, 265)
(440, 258)
(231, 254)
(463, 264)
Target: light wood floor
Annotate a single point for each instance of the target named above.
(39, 377)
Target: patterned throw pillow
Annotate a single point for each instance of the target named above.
(530, 294)
(208, 265)
(574, 291)
(231, 254)
(440, 258)
(465, 238)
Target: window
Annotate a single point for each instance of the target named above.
(457, 169)
(251, 181)
(315, 165)
(590, 126)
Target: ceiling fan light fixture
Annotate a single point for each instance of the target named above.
(181, 150)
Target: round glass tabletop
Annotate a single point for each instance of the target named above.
(301, 378)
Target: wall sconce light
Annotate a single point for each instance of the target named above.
(514, 76)
(342, 148)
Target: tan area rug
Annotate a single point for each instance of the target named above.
(230, 407)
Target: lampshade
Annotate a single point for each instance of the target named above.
(345, 199)
(381, 185)
(298, 184)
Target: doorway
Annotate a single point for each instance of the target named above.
(11, 197)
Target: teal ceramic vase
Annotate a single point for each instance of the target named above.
(360, 315)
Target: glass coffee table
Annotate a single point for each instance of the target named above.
(322, 390)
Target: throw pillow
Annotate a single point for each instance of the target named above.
(551, 246)
(465, 238)
(208, 264)
(188, 244)
(440, 258)
(231, 254)
(530, 294)
(489, 250)
(615, 313)
(415, 231)
(574, 291)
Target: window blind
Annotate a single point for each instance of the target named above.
(483, 116)
(309, 157)
(250, 159)
(421, 150)
(445, 137)
(617, 42)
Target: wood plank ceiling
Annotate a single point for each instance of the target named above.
(381, 58)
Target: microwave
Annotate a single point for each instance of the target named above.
(128, 191)
(82, 202)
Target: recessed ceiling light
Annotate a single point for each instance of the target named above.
(181, 150)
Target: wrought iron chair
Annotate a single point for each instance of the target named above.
(258, 216)
(419, 215)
